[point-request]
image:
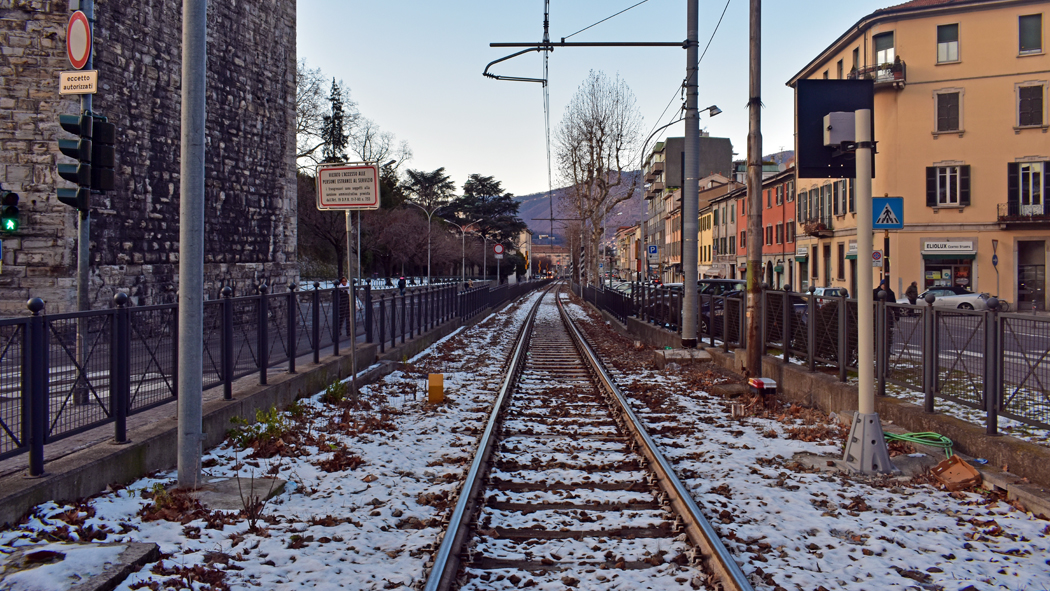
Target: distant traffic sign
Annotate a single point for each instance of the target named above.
(876, 258)
(888, 213)
(347, 186)
(78, 40)
(497, 248)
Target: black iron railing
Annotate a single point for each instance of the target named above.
(989, 360)
(62, 374)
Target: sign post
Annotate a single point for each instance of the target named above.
(349, 187)
(498, 250)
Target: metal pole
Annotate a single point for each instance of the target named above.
(84, 237)
(865, 294)
(352, 308)
(691, 188)
(866, 450)
(191, 239)
(754, 197)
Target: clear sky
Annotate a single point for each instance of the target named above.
(414, 67)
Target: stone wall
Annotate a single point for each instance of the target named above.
(250, 204)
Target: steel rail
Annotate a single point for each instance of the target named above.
(699, 530)
(446, 561)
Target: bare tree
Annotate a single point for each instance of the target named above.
(372, 145)
(597, 138)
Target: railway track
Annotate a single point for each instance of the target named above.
(567, 489)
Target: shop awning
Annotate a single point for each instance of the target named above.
(776, 269)
(969, 256)
(851, 257)
(801, 259)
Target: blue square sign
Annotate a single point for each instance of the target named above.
(887, 213)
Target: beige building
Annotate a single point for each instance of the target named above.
(961, 129)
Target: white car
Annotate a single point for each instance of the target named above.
(952, 297)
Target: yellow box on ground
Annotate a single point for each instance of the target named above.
(436, 388)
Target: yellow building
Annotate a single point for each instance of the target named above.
(705, 240)
(961, 130)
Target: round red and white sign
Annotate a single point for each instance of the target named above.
(497, 248)
(876, 255)
(78, 40)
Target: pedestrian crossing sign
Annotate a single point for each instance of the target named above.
(887, 213)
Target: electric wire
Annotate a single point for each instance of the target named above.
(605, 19)
(679, 89)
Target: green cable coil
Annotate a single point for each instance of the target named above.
(928, 438)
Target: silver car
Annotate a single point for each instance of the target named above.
(953, 297)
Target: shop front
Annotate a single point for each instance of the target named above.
(802, 263)
(949, 262)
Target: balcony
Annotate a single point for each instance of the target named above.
(821, 228)
(893, 75)
(1016, 214)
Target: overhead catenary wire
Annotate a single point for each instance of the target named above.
(604, 19)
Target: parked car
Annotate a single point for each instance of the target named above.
(831, 292)
(718, 287)
(953, 296)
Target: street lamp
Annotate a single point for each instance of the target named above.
(463, 244)
(430, 215)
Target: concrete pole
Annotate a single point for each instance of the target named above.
(754, 198)
(191, 240)
(865, 299)
(691, 188)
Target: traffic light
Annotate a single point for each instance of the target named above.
(95, 153)
(103, 154)
(81, 150)
(9, 211)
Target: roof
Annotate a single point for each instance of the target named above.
(890, 13)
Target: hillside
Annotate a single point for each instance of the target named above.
(536, 211)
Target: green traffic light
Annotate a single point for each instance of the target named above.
(11, 225)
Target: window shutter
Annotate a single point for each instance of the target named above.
(931, 186)
(1046, 182)
(836, 197)
(964, 185)
(1013, 181)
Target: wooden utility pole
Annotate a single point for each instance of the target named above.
(754, 198)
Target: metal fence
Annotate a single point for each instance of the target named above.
(62, 374)
(993, 361)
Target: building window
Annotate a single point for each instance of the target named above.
(790, 191)
(852, 198)
(836, 197)
(743, 239)
(1030, 105)
(947, 43)
(948, 186)
(856, 58)
(842, 262)
(780, 194)
(948, 110)
(769, 235)
(1028, 184)
(1030, 33)
(780, 233)
(732, 245)
(883, 44)
(769, 198)
(825, 77)
(716, 223)
(838, 69)
(732, 212)
(790, 230)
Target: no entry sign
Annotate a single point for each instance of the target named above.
(497, 248)
(78, 40)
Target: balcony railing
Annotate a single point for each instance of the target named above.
(895, 74)
(818, 227)
(1016, 212)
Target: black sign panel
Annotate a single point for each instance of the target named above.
(813, 100)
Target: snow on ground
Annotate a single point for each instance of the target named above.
(792, 528)
(368, 485)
